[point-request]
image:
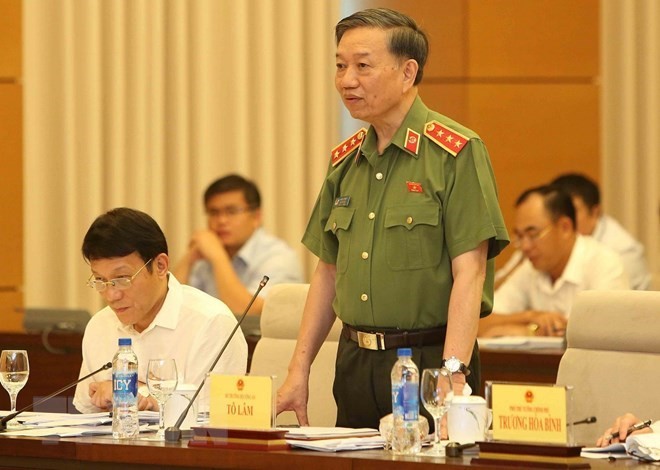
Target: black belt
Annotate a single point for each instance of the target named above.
(380, 341)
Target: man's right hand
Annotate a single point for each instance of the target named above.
(101, 394)
(621, 425)
(293, 396)
(550, 323)
(208, 245)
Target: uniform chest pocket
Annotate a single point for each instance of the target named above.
(414, 236)
(339, 223)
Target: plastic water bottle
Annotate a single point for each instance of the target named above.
(406, 438)
(125, 424)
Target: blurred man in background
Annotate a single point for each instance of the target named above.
(229, 258)
(559, 262)
(591, 221)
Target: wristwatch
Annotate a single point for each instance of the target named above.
(454, 364)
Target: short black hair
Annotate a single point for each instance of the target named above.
(406, 38)
(556, 201)
(234, 182)
(122, 231)
(579, 185)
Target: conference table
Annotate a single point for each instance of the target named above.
(56, 362)
(105, 453)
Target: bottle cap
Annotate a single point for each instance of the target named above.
(124, 341)
(406, 352)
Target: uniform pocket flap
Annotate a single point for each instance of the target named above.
(340, 219)
(412, 215)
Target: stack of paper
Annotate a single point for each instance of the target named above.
(326, 439)
(70, 425)
(336, 445)
(522, 342)
(618, 451)
(314, 433)
(644, 446)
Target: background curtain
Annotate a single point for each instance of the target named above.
(631, 119)
(143, 103)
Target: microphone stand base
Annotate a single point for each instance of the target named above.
(172, 434)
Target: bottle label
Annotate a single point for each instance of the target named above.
(397, 400)
(410, 401)
(405, 401)
(124, 386)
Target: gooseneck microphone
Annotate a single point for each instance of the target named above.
(173, 433)
(589, 420)
(6, 419)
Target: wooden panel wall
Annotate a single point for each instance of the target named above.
(11, 172)
(524, 74)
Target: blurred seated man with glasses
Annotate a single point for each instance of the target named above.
(127, 253)
(559, 262)
(229, 258)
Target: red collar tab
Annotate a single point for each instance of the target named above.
(412, 141)
(344, 149)
(448, 139)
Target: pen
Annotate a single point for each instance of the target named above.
(633, 428)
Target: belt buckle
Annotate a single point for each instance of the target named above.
(372, 341)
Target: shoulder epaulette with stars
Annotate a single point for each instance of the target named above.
(448, 139)
(344, 149)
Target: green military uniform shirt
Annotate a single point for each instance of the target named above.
(392, 223)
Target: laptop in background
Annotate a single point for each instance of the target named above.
(55, 319)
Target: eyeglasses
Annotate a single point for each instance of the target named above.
(231, 211)
(532, 235)
(120, 283)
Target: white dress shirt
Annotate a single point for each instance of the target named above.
(610, 233)
(190, 327)
(591, 266)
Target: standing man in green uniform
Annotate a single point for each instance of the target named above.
(406, 227)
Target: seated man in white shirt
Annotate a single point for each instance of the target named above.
(592, 221)
(229, 258)
(537, 297)
(127, 254)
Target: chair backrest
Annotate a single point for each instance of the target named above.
(612, 358)
(280, 322)
(655, 281)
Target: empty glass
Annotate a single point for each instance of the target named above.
(436, 393)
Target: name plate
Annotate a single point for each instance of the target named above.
(243, 402)
(529, 413)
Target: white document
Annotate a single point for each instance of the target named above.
(645, 446)
(67, 431)
(313, 432)
(66, 419)
(337, 445)
(61, 431)
(522, 342)
(618, 451)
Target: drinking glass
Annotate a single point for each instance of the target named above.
(14, 371)
(162, 379)
(436, 393)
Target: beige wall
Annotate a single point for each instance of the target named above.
(11, 169)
